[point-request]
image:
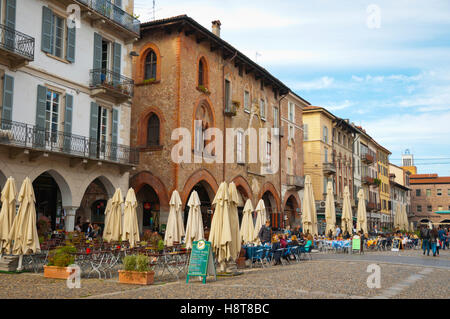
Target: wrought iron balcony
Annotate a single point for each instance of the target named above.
(111, 83)
(36, 138)
(368, 157)
(296, 181)
(230, 109)
(16, 48)
(368, 180)
(329, 168)
(107, 9)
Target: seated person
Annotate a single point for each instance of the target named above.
(276, 254)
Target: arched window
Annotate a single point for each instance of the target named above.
(153, 131)
(201, 73)
(150, 65)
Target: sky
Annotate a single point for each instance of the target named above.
(381, 64)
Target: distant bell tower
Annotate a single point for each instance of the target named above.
(408, 162)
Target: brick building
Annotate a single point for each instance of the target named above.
(430, 198)
(188, 77)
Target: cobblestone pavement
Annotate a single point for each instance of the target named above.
(326, 276)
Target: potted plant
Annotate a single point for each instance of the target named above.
(146, 81)
(58, 261)
(203, 89)
(137, 271)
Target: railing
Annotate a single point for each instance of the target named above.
(368, 180)
(369, 156)
(16, 42)
(330, 167)
(108, 79)
(113, 12)
(294, 180)
(230, 109)
(37, 138)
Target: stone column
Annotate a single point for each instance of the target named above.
(69, 220)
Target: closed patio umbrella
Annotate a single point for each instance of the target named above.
(113, 221)
(405, 218)
(330, 210)
(174, 230)
(130, 223)
(7, 214)
(261, 218)
(361, 221)
(247, 232)
(347, 216)
(24, 231)
(397, 216)
(234, 221)
(194, 227)
(220, 235)
(309, 217)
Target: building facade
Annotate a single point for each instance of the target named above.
(188, 77)
(400, 193)
(383, 185)
(66, 89)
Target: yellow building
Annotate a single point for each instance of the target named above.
(384, 184)
(318, 150)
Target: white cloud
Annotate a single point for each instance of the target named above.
(324, 82)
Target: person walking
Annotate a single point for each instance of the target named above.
(442, 237)
(434, 235)
(265, 233)
(425, 236)
(338, 231)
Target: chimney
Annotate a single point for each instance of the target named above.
(216, 27)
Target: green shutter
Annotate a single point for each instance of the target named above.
(47, 30)
(93, 130)
(117, 63)
(115, 134)
(10, 21)
(8, 92)
(96, 76)
(68, 113)
(40, 109)
(118, 3)
(71, 36)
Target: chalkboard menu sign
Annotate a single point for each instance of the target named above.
(395, 244)
(201, 262)
(356, 243)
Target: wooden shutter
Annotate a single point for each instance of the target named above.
(115, 134)
(40, 108)
(97, 65)
(71, 36)
(68, 114)
(8, 92)
(47, 30)
(93, 130)
(10, 21)
(117, 59)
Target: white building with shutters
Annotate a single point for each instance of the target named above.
(65, 90)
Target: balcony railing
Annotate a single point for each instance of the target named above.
(104, 78)
(368, 156)
(16, 42)
(37, 138)
(294, 180)
(368, 180)
(107, 9)
(329, 168)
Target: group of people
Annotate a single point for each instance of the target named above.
(89, 230)
(434, 239)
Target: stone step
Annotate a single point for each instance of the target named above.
(9, 263)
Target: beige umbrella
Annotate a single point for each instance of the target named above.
(411, 227)
(261, 219)
(309, 217)
(347, 217)
(194, 228)
(397, 217)
(107, 213)
(405, 218)
(130, 223)
(7, 214)
(175, 228)
(330, 210)
(220, 234)
(24, 231)
(361, 222)
(247, 233)
(113, 222)
(234, 221)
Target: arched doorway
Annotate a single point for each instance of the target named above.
(445, 223)
(148, 209)
(206, 195)
(290, 211)
(243, 196)
(271, 210)
(93, 204)
(48, 200)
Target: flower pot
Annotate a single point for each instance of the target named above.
(57, 272)
(136, 277)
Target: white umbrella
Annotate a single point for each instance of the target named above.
(130, 223)
(194, 227)
(220, 235)
(397, 217)
(247, 233)
(347, 217)
(24, 231)
(261, 219)
(7, 214)
(405, 218)
(234, 221)
(330, 210)
(361, 222)
(113, 221)
(175, 228)
(309, 217)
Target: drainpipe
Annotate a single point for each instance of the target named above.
(224, 117)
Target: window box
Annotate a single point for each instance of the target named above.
(203, 89)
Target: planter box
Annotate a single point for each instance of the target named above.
(136, 277)
(56, 272)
